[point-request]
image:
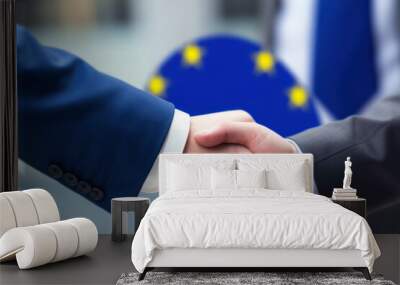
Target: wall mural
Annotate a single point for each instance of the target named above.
(225, 72)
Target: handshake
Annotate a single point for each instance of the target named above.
(233, 132)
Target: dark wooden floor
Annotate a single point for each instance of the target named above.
(110, 260)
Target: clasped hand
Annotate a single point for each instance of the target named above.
(233, 132)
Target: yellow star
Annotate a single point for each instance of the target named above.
(157, 85)
(192, 55)
(264, 61)
(298, 96)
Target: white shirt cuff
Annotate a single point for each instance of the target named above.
(294, 144)
(174, 143)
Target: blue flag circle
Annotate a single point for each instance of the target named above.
(224, 72)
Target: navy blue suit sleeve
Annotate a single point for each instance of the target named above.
(96, 134)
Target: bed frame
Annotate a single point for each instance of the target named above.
(259, 259)
(246, 259)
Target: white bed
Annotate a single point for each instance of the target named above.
(202, 220)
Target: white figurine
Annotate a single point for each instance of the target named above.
(347, 174)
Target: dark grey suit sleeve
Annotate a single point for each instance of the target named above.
(373, 142)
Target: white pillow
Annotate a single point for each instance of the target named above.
(187, 177)
(223, 179)
(251, 178)
(282, 174)
(292, 180)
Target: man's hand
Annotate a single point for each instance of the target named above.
(199, 124)
(250, 135)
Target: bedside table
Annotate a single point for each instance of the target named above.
(137, 205)
(357, 205)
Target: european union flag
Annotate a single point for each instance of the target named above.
(224, 72)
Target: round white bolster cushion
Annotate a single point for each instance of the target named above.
(26, 208)
(40, 244)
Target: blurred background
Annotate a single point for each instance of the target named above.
(347, 54)
(130, 38)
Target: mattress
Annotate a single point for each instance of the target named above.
(251, 219)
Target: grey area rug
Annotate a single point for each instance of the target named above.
(269, 278)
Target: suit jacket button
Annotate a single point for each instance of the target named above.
(70, 179)
(96, 194)
(84, 187)
(55, 171)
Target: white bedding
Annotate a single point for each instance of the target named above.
(250, 219)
